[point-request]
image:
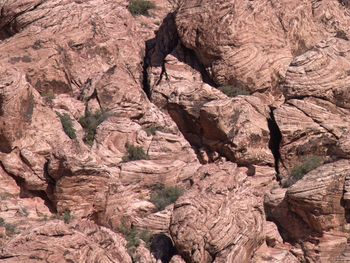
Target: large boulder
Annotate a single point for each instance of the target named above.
(221, 218)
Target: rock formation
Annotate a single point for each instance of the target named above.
(191, 131)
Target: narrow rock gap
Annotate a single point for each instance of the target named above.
(189, 127)
(275, 139)
(167, 28)
(145, 80)
(50, 190)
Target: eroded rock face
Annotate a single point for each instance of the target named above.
(321, 72)
(55, 241)
(311, 127)
(236, 129)
(239, 129)
(234, 47)
(325, 185)
(84, 67)
(220, 216)
(315, 204)
(76, 71)
(98, 108)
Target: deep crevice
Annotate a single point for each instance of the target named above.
(163, 43)
(145, 80)
(275, 140)
(162, 248)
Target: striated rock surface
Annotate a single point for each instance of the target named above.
(315, 203)
(57, 242)
(235, 128)
(251, 44)
(311, 127)
(321, 72)
(220, 219)
(208, 101)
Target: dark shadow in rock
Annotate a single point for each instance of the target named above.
(167, 42)
(162, 248)
(8, 31)
(275, 140)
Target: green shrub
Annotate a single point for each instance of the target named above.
(10, 228)
(164, 196)
(134, 153)
(309, 163)
(140, 7)
(233, 91)
(133, 237)
(90, 122)
(67, 217)
(67, 125)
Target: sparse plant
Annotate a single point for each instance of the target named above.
(29, 107)
(10, 228)
(146, 237)
(23, 211)
(67, 217)
(151, 130)
(140, 7)
(48, 96)
(309, 163)
(67, 125)
(5, 196)
(133, 237)
(90, 121)
(233, 91)
(176, 4)
(134, 153)
(163, 196)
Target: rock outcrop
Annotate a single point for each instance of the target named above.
(314, 203)
(251, 44)
(159, 137)
(221, 218)
(55, 242)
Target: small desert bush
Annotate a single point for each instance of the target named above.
(133, 238)
(151, 130)
(135, 153)
(67, 125)
(67, 217)
(233, 91)
(90, 121)
(309, 163)
(24, 211)
(163, 196)
(29, 107)
(10, 228)
(176, 4)
(140, 7)
(48, 96)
